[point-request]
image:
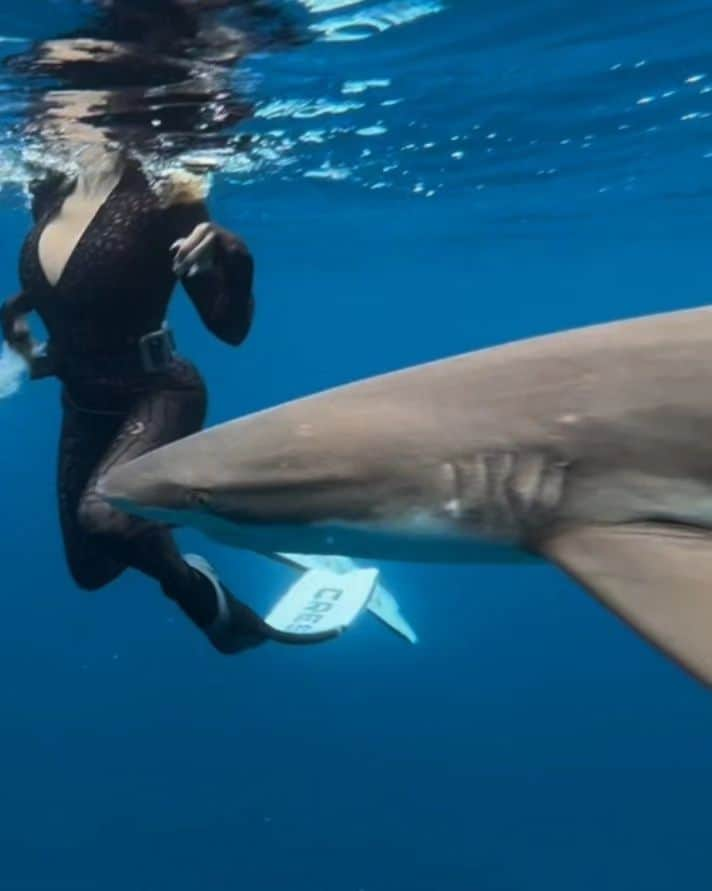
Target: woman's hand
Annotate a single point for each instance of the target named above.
(196, 253)
(15, 328)
(17, 333)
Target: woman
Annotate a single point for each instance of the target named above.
(99, 267)
(105, 253)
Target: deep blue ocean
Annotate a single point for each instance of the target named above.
(431, 177)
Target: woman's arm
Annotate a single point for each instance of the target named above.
(216, 269)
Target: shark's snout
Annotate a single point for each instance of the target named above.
(143, 487)
(115, 486)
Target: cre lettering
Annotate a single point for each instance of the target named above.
(322, 602)
(332, 594)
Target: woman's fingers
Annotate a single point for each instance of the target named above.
(201, 257)
(201, 252)
(195, 250)
(185, 245)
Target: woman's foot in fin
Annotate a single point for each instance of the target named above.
(236, 627)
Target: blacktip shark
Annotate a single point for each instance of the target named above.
(589, 448)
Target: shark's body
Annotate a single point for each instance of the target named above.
(591, 448)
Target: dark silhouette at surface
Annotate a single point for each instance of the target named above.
(157, 75)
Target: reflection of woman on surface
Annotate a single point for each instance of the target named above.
(99, 267)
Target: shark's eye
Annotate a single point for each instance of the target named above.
(198, 498)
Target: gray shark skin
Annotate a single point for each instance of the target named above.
(589, 448)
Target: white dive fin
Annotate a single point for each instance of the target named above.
(382, 604)
(322, 602)
(385, 607)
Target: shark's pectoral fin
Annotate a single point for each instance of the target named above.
(656, 577)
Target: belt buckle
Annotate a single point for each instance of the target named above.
(157, 350)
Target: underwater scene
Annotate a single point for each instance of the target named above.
(343, 550)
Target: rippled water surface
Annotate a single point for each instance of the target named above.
(533, 112)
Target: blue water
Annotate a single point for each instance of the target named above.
(529, 741)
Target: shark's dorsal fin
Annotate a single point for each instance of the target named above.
(656, 577)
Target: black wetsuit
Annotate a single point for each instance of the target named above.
(114, 289)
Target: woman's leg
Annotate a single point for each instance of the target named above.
(84, 438)
(155, 419)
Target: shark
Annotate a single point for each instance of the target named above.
(588, 448)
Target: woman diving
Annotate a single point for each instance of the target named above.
(98, 267)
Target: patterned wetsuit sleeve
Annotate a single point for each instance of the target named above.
(222, 295)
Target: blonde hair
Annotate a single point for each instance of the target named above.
(180, 187)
